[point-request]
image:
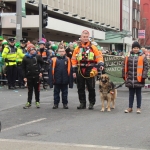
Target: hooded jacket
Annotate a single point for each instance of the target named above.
(32, 65)
(61, 75)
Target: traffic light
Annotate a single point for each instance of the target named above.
(44, 16)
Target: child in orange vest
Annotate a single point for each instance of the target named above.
(135, 70)
(60, 75)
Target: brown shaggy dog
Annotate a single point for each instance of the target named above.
(107, 92)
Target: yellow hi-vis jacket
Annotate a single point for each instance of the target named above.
(20, 55)
(9, 57)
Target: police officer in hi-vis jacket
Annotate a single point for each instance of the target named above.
(9, 54)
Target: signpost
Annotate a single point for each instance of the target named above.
(19, 20)
(40, 20)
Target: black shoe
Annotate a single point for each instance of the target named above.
(82, 106)
(14, 88)
(65, 106)
(55, 106)
(91, 106)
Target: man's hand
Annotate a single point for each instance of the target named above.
(74, 75)
(25, 79)
(40, 75)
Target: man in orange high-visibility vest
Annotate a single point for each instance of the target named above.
(84, 59)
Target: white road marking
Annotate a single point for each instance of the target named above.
(127, 98)
(67, 145)
(23, 124)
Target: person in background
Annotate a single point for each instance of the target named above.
(21, 50)
(134, 72)
(9, 55)
(69, 50)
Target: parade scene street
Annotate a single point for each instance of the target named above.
(74, 74)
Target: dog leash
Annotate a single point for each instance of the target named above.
(120, 85)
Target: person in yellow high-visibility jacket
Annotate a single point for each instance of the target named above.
(20, 54)
(9, 54)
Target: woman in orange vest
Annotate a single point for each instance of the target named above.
(134, 72)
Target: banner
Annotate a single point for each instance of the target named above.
(113, 66)
(23, 8)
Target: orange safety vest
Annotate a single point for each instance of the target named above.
(43, 54)
(54, 65)
(97, 54)
(139, 68)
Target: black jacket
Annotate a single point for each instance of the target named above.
(61, 73)
(131, 80)
(32, 66)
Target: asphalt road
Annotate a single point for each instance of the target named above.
(71, 129)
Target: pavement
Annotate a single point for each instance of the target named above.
(72, 129)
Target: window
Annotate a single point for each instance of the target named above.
(146, 8)
(137, 1)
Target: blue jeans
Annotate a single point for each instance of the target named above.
(64, 89)
(132, 92)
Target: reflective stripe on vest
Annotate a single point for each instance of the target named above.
(126, 68)
(140, 68)
(43, 54)
(54, 59)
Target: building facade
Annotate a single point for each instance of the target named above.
(135, 19)
(121, 41)
(145, 22)
(67, 19)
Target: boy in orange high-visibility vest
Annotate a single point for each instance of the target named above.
(60, 75)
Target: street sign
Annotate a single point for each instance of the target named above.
(23, 8)
(7, 14)
(141, 34)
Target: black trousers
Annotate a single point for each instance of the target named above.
(132, 92)
(64, 90)
(90, 82)
(33, 83)
(11, 75)
(20, 75)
